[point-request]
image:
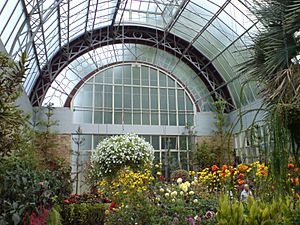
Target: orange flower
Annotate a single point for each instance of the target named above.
(224, 167)
(291, 166)
(263, 173)
(296, 170)
(242, 168)
(241, 182)
(214, 168)
(241, 176)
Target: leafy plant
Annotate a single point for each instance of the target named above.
(54, 217)
(12, 120)
(278, 211)
(83, 213)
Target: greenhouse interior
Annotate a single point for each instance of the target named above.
(149, 112)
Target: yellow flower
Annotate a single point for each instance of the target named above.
(158, 173)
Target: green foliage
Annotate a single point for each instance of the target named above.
(25, 187)
(11, 75)
(54, 217)
(205, 154)
(139, 211)
(217, 149)
(83, 213)
(256, 212)
(230, 213)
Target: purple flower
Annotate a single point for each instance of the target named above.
(209, 214)
(191, 220)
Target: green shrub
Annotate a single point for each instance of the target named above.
(25, 188)
(54, 217)
(278, 211)
(83, 214)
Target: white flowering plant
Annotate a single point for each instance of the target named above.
(117, 152)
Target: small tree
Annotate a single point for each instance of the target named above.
(11, 117)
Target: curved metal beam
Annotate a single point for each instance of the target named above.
(130, 34)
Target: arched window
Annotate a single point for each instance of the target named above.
(133, 94)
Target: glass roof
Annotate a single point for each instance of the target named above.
(217, 28)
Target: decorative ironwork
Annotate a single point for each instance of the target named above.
(130, 34)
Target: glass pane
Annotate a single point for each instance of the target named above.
(127, 74)
(145, 98)
(190, 119)
(87, 142)
(163, 98)
(145, 76)
(172, 119)
(171, 82)
(168, 143)
(108, 96)
(98, 95)
(98, 117)
(180, 97)
(154, 118)
(99, 78)
(183, 143)
(136, 97)
(108, 117)
(85, 96)
(162, 80)
(108, 76)
(181, 118)
(118, 97)
(153, 77)
(82, 116)
(163, 118)
(127, 118)
(154, 98)
(183, 160)
(173, 161)
(118, 118)
(127, 97)
(136, 118)
(146, 119)
(155, 142)
(189, 104)
(118, 75)
(136, 75)
(172, 100)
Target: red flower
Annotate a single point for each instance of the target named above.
(241, 176)
(161, 178)
(112, 205)
(66, 201)
(214, 168)
(291, 166)
(232, 170)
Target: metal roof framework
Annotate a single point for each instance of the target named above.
(206, 35)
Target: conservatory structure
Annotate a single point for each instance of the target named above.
(151, 67)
